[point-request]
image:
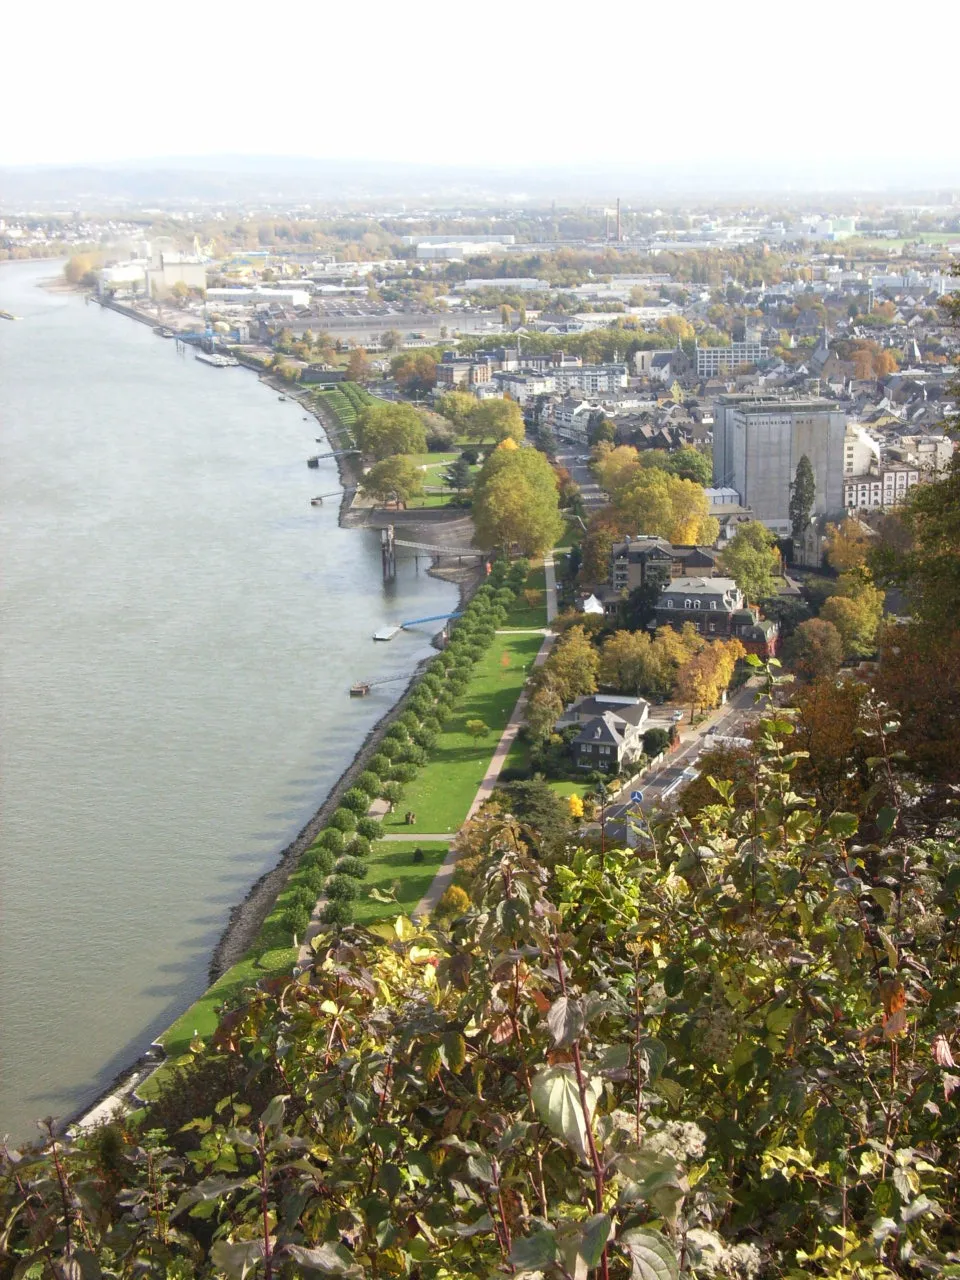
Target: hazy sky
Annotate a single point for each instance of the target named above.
(517, 83)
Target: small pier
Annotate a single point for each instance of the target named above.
(389, 632)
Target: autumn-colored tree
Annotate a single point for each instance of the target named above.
(848, 544)
(855, 610)
(415, 372)
(570, 669)
(815, 649)
(515, 501)
(544, 709)
(703, 678)
(358, 366)
(918, 677)
(628, 662)
(575, 806)
(751, 558)
(615, 468)
(829, 727)
(457, 407)
(655, 502)
(734, 765)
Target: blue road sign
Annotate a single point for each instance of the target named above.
(636, 797)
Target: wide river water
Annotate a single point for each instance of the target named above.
(179, 629)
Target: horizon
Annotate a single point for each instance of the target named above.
(657, 103)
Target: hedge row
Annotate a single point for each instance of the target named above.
(333, 867)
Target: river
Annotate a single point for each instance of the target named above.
(178, 631)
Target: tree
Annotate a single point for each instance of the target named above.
(515, 501)
(633, 1020)
(575, 806)
(802, 496)
(655, 741)
(415, 372)
(457, 407)
(358, 366)
(690, 464)
(628, 663)
(477, 728)
(848, 544)
(536, 805)
(457, 475)
(395, 479)
(544, 709)
(385, 429)
(654, 502)
(704, 676)
(815, 649)
(751, 558)
(496, 420)
(570, 670)
(390, 340)
(856, 622)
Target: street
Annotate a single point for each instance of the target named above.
(680, 768)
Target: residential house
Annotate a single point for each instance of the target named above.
(634, 562)
(717, 609)
(612, 731)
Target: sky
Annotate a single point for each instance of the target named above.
(844, 86)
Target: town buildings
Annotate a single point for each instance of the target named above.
(710, 360)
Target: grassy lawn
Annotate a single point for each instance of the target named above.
(571, 788)
(201, 1018)
(432, 460)
(572, 532)
(433, 500)
(521, 614)
(391, 862)
(442, 792)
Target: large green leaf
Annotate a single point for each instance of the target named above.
(596, 1233)
(208, 1190)
(533, 1253)
(330, 1259)
(557, 1101)
(651, 1255)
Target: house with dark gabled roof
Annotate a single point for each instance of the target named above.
(607, 742)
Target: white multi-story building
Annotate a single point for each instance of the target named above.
(710, 360)
(887, 486)
(758, 442)
(860, 450)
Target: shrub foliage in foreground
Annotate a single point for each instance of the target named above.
(729, 1056)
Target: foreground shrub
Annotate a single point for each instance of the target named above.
(454, 901)
(358, 847)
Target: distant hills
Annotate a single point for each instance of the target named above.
(276, 180)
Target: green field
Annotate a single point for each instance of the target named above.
(523, 615)
(391, 863)
(442, 792)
